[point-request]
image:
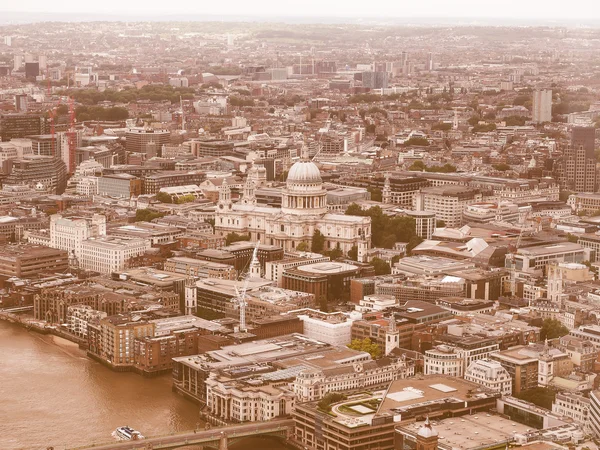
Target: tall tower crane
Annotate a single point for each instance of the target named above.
(241, 294)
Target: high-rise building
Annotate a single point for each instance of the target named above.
(21, 102)
(579, 164)
(542, 106)
(375, 80)
(18, 62)
(32, 70)
(14, 126)
(429, 65)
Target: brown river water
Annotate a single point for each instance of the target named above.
(51, 394)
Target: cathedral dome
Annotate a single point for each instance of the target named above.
(304, 172)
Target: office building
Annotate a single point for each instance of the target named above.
(491, 375)
(369, 420)
(14, 126)
(447, 202)
(108, 254)
(579, 161)
(43, 173)
(120, 185)
(29, 261)
(141, 140)
(594, 413)
(375, 80)
(32, 70)
(542, 106)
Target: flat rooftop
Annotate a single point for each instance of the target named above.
(406, 394)
(470, 432)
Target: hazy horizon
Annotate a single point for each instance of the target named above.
(427, 11)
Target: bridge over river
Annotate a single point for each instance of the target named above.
(218, 438)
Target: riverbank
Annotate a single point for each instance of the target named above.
(75, 401)
(41, 327)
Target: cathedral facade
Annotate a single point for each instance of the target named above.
(303, 211)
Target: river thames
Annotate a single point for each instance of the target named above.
(51, 394)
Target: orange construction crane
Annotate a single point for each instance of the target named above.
(72, 136)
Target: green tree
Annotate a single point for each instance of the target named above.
(552, 329)
(539, 396)
(365, 345)
(440, 223)
(317, 242)
(417, 141)
(418, 166)
(163, 197)
(335, 253)
(412, 243)
(353, 253)
(234, 237)
(441, 126)
(381, 267)
(185, 199)
(502, 167)
(354, 210)
(572, 238)
(375, 194)
(329, 399)
(147, 215)
(302, 247)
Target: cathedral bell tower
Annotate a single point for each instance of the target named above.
(249, 197)
(224, 196)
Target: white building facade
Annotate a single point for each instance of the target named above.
(110, 254)
(303, 212)
(490, 374)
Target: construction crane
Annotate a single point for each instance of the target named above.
(71, 136)
(241, 294)
(513, 274)
(52, 116)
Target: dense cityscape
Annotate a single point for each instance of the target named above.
(348, 236)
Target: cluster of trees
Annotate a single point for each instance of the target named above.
(83, 113)
(381, 267)
(484, 128)
(420, 141)
(166, 198)
(502, 167)
(441, 126)
(552, 329)
(317, 245)
(329, 399)
(385, 230)
(240, 101)
(365, 345)
(420, 166)
(515, 121)
(539, 396)
(147, 215)
(153, 92)
(234, 237)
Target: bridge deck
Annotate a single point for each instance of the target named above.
(200, 437)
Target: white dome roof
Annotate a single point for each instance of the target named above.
(304, 172)
(426, 430)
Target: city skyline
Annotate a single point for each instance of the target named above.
(428, 10)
